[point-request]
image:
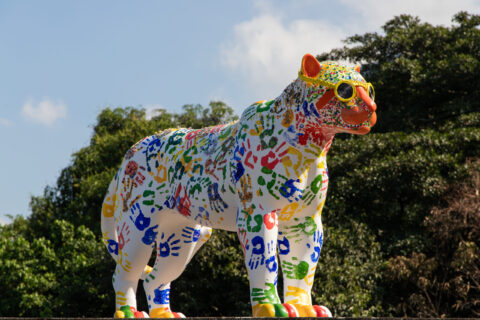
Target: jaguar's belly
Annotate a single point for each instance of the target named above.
(210, 205)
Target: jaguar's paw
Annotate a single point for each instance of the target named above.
(129, 312)
(322, 311)
(268, 310)
(296, 310)
(165, 313)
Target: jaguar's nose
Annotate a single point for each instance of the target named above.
(362, 94)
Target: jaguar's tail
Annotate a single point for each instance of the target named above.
(109, 230)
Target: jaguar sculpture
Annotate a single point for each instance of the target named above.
(264, 176)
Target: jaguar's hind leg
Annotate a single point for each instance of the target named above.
(177, 241)
(133, 256)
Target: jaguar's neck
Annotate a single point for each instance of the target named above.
(297, 112)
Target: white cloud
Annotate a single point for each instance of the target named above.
(267, 52)
(4, 220)
(5, 122)
(46, 112)
(151, 110)
(375, 12)
(264, 52)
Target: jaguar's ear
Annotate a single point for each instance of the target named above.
(310, 66)
(357, 68)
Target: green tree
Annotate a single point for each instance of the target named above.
(52, 277)
(444, 281)
(391, 181)
(196, 116)
(215, 281)
(423, 75)
(349, 272)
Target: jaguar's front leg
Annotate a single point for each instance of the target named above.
(299, 246)
(257, 231)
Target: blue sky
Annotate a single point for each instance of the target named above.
(62, 62)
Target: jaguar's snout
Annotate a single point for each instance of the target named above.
(355, 115)
(361, 113)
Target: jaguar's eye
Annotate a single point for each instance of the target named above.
(371, 92)
(345, 91)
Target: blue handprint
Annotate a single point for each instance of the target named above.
(258, 249)
(283, 245)
(216, 201)
(161, 296)
(271, 263)
(290, 191)
(169, 246)
(112, 246)
(190, 234)
(318, 240)
(150, 235)
(138, 218)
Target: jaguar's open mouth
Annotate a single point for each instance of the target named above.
(358, 122)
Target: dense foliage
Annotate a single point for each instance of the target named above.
(393, 179)
(55, 275)
(401, 219)
(446, 277)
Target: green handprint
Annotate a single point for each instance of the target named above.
(268, 131)
(268, 295)
(270, 184)
(307, 228)
(258, 223)
(263, 107)
(295, 271)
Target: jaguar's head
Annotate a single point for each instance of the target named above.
(341, 97)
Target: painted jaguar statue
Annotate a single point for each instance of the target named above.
(264, 176)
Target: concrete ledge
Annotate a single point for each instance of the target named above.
(243, 318)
